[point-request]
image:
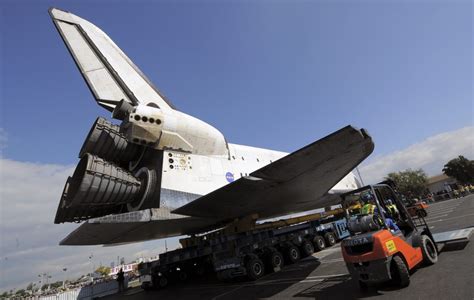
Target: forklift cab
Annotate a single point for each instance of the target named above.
(386, 242)
(376, 207)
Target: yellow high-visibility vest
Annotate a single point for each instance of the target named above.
(368, 209)
(392, 209)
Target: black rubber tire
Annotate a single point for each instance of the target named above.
(422, 213)
(318, 242)
(224, 275)
(255, 268)
(399, 272)
(330, 239)
(183, 276)
(200, 270)
(428, 248)
(274, 260)
(160, 282)
(221, 275)
(363, 286)
(307, 248)
(292, 254)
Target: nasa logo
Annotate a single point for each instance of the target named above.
(229, 176)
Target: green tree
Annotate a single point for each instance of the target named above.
(102, 270)
(461, 169)
(56, 284)
(410, 182)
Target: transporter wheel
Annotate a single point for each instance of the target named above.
(274, 260)
(183, 276)
(330, 238)
(223, 275)
(160, 282)
(318, 242)
(307, 248)
(292, 254)
(200, 270)
(255, 268)
(428, 248)
(399, 272)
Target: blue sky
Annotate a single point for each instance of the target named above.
(273, 74)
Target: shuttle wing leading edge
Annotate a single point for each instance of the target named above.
(297, 182)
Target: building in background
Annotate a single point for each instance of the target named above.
(440, 183)
(126, 268)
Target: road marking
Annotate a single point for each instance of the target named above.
(317, 278)
(442, 209)
(301, 278)
(446, 202)
(332, 260)
(452, 218)
(228, 292)
(440, 212)
(436, 217)
(322, 254)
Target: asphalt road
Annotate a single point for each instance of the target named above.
(324, 275)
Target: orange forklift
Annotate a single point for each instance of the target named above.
(384, 246)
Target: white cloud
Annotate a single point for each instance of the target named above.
(430, 155)
(29, 195)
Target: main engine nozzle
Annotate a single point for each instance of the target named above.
(106, 141)
(98, 188)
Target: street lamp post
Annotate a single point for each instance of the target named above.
(90, 260)
(64, 280)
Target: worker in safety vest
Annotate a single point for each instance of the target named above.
(369, 207)
(392, 208)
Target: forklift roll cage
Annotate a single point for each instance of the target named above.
(415, 223)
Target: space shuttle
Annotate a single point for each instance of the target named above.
(157, 172)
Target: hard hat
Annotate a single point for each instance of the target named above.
(366, 196)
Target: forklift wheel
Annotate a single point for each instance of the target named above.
(428, 248)
(399, 272)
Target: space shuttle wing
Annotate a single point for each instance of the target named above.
(135, 227)
(109, 73)
(297, 182)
